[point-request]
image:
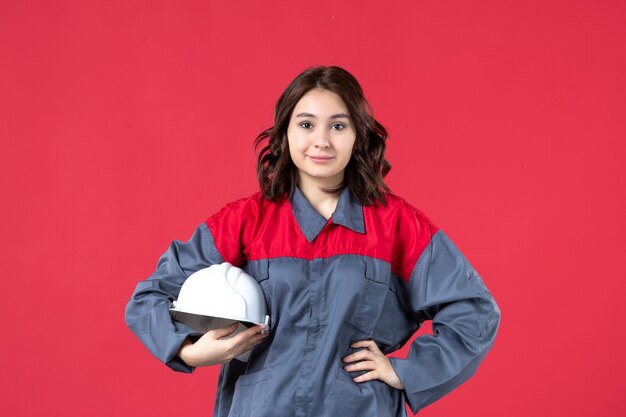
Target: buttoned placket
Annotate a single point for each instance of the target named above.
(348, 213)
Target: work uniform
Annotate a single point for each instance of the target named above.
(369, 272)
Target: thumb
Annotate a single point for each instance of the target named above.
(224, 331)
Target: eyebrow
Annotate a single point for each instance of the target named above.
(334, 116)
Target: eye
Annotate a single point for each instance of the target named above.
(306, 125)
(338, 126)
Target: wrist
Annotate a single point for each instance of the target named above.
(185, 353)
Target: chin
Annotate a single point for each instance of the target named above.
(325, 176)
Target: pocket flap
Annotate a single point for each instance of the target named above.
(376, 271)
(259, 269)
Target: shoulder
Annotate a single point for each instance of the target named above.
(407, 229)
(232, 225)
(398, 210)
(238, 218)
(242, 209)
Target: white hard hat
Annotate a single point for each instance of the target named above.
(216, 296)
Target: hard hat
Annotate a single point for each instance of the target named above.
(216, 296)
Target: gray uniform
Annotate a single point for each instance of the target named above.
(370, 272)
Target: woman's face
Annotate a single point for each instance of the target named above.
(321, 137)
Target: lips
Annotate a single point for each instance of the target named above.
(320, 158)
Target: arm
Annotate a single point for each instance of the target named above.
(445, 288)
(147, 312)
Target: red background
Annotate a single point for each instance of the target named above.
(124, 124)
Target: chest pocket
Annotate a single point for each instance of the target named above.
(381, 312)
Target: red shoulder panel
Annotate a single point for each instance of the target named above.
(254, 228)
(412, 235)
(232, 226)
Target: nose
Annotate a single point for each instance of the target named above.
(321, 139)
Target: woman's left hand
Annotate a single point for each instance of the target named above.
(374, 361)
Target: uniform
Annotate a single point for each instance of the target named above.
(370, 272)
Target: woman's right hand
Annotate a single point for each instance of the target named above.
(212, 348)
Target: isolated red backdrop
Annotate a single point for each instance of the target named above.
(124, 124)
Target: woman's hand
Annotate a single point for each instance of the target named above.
(374, 361)
(212, 348)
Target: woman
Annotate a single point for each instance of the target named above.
(348, 269)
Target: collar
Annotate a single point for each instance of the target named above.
(348, 213)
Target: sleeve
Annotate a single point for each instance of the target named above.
(147, 312)
(443, 287)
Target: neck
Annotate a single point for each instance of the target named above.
(323, 202)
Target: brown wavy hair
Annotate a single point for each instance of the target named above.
(278, 175)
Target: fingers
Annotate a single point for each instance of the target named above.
(361, 366)
(250, 337)
(248, 333)
(224, 331)
(370, 344)
(256, 339)
(371, 352)
(216, 347)
(246, 340)
(361, 355)
(370, 359)
(367, 376)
